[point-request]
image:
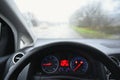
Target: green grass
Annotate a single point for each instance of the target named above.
(89, 33)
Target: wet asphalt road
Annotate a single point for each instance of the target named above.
(57, 31)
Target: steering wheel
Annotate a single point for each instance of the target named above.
(30, 54)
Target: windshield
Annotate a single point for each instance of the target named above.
(98, 19)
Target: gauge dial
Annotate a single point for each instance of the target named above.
(50, 64)
(79, 64)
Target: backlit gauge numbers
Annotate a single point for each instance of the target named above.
(79, 64)
(50, 64)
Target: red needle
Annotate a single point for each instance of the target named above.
(81, 62)
(47, 64)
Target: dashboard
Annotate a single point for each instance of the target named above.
(66, 63)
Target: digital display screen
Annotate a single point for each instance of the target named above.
(64, 63)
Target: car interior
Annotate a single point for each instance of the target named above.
(25, 57)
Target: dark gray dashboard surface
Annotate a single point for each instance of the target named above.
(106, 46)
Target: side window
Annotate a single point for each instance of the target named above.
(24, 41)
(22, 44)
(7, 45)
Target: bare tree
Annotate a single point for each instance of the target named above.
(91, 15)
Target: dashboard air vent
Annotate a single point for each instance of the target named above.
(17, 57)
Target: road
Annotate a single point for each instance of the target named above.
(58, 31)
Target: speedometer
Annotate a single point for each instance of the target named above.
(50, 64)
(79, 64)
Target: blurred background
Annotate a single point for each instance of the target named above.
(92, 19)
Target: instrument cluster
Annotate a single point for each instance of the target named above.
(64, 64)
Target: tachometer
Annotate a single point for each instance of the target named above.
(50, 64)
(79, 64)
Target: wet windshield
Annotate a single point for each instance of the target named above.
(93, 19)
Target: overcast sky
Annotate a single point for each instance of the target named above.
(57, 10)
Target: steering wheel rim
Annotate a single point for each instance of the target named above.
(17, 68)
